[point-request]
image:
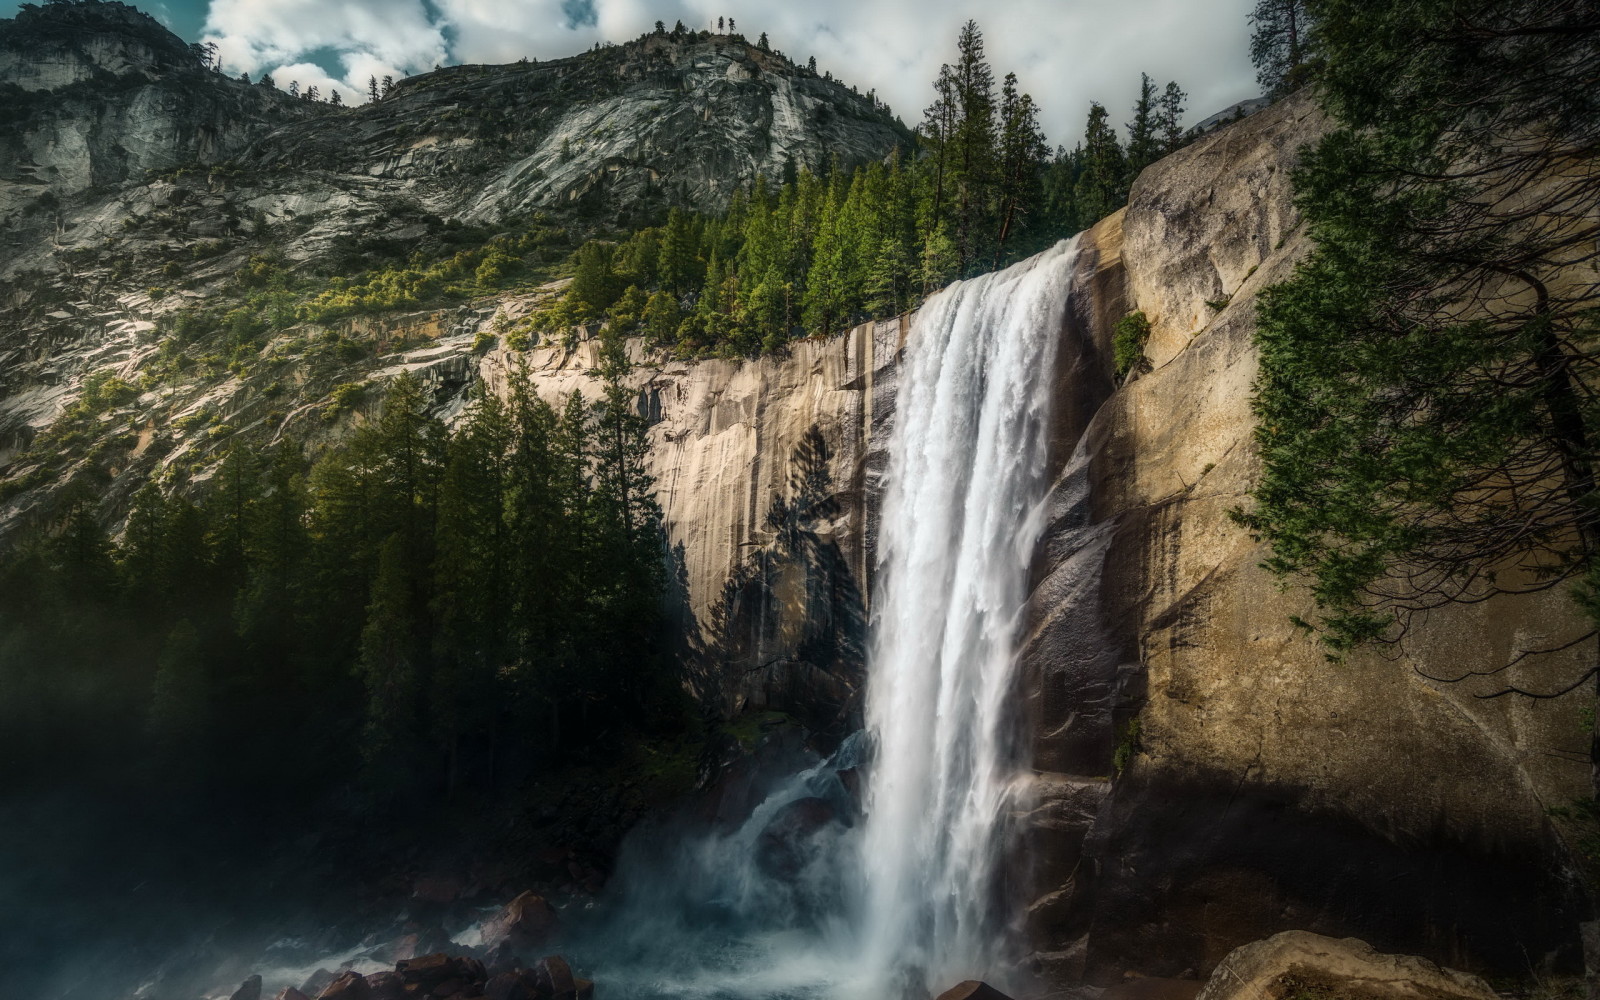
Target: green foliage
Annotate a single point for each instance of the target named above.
(102, 391)
(1127, 343)
(1424, 430)
(1127, 745)
(1281, 43)
(493, 594)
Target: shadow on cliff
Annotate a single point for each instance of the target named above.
(788, 631)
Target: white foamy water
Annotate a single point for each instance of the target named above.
(961, 516)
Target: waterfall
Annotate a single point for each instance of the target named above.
(961, 514)
(896, 897)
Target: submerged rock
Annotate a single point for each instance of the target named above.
(1299, 963)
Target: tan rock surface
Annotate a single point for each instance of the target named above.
(1269, 970)
(1265, 787)
(774, 626)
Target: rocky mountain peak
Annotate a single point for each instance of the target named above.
(59, 44)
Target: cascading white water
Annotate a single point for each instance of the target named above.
(960, 517)
(896, 896)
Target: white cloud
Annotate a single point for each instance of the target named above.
(309, 75)
(395, 35)
(1065, 52)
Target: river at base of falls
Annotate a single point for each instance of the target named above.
(821, 895)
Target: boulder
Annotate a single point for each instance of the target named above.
(347, 985)
(316, 983)
(525, 923)
(520, 984)
(500, 959)
(554, 978)
(250, 989)
(290, 993)
(386, 986)
(1299, 963)
(972, 990)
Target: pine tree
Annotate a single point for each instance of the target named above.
(227, 515)
(372, 88)
(661, 318)
(179, 711)
(1022, 154)
(762, 43)
(391, 672)
(679, 265)
(594, 283)
(472, 585)
(938, 134)
(1278, 43)
(628, 538)
(388, 85)
(1144, 144)
(974, 139)
(1101, 188)
(1170, 119)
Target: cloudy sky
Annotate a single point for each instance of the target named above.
(1065, 52)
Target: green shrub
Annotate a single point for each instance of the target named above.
(1127, 343)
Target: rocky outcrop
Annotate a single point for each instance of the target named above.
(99, 94)
(1297, 963)
(1209, 778)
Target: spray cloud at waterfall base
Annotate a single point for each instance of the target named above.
(895, 892)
